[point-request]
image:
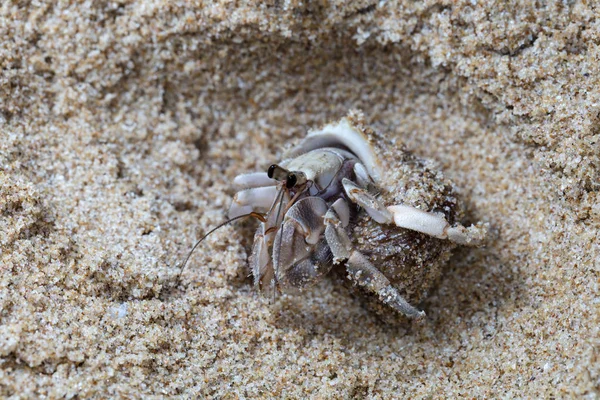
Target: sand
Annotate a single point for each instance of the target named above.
(123, 123)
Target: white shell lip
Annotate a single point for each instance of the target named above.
(342, 133)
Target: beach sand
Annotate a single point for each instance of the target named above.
(122, 125)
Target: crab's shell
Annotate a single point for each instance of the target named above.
(412, 261)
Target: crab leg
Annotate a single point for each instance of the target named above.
(436, 225)
(366, 200)
(421, 221)
(253, 180)
(359, 269)
(412, 218)
(260, 261)
(310, 270)
(362, 175)
(296, 241)
(364, 274)
(255, 199)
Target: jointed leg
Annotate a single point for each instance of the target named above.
(364, 274)
(298, 250)
(412, 218)
(436, 225)
(253, 180)
(256, 199)
(309, 270)
(360, 270)
(366, 200)
(260, 260)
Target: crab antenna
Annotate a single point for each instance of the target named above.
(253, 214)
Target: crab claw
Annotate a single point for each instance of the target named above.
(298, 236)
(255, 199)
(435, 225)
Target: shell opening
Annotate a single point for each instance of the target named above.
(341, 134)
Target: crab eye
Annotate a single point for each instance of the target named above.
(278, 173)
(291, 180)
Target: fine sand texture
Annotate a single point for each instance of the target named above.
(122, 125)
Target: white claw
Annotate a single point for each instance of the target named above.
(421, 221)
(256, 199)
(436, 225)
(253, 180)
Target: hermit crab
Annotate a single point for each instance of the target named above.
(347, 198)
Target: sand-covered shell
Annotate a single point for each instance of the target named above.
(411, 260)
